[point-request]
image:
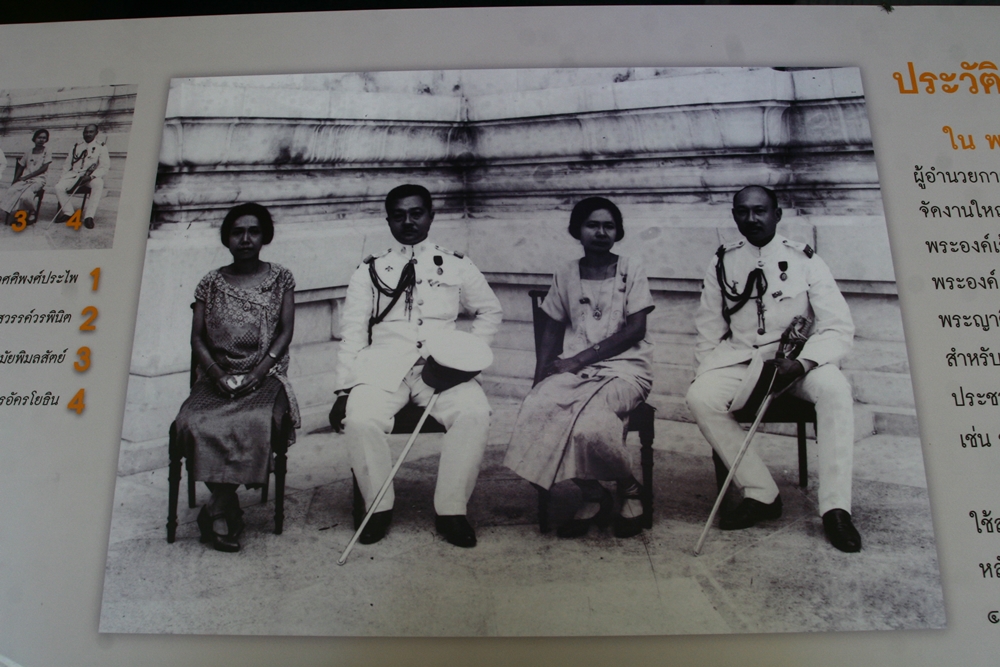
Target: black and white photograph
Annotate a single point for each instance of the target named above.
(62, 158)
(541, 352)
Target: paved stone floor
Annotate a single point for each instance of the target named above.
(781, 576)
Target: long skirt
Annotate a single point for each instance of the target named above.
(570, 427)
(21, 196)
(228, 440)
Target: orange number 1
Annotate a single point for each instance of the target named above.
(96, 275)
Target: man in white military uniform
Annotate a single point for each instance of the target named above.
(86, 164)
(394, 301)
(752, 291)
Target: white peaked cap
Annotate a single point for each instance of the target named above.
(459, 350)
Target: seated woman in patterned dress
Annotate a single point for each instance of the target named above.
(570, 425)
(29, 178)
(244, 315)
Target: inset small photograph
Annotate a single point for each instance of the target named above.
(62, 158)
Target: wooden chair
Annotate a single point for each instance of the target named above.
(641, 419)
(787, 409)
(279, 452)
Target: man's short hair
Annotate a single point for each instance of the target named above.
(585, 207)
(401, 192)
(253, 209)
(768, 191)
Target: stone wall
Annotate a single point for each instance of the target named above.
(506, 155)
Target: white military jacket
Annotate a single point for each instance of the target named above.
(82, 155)
(798, 283)
(445, 283)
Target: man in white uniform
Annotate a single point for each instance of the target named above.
(752, 291)
(394, 301)
(86, 164)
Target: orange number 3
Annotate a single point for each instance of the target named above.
(20, 221)
(84, 363)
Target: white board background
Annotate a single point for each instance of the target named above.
(57, 475)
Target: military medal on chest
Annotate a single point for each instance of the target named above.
(783, 267)
(438, 261)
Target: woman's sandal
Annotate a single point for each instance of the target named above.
(580, 527)
(629, 526)
(229, 542)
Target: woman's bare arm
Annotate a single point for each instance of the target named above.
(200, 349)
(633, 332)
(286, 327)
(548, 348)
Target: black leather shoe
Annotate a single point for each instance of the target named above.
(456, 529)
(376, 528)
(748, 513)
(61, 218)
(88, 223)
(840, 531)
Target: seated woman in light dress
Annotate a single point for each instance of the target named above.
(570, 425)
(29, 178)
(244, 315)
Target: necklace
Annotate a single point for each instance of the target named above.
(597, 303)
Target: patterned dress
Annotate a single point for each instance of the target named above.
(21, 195)
(570, 424)
(228, 440)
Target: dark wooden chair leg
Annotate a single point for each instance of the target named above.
(803, 460)
(33, 217)
(190, 485)
(543, 508)
(646, 435)
(280, 447)
(174, 481)
(721, 470)
(357, 502)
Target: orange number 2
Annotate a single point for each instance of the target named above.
(88, 325)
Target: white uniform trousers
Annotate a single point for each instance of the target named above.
(825, 386)
(67, 182)
(463, 410)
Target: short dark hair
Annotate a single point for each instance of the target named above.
(767, 191)
(250, 208)
(585, 207)
(401, 192)
(37, 132)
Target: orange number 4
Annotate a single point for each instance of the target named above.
(75, 220)
(76, 403)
